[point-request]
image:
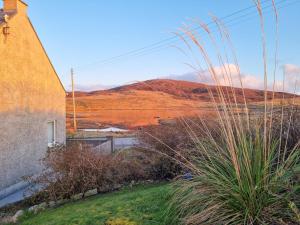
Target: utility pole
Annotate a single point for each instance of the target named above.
(74, 106)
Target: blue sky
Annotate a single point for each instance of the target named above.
(78, 33)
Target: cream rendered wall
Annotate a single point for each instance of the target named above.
(30, 95)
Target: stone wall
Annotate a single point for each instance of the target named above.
(31, 94)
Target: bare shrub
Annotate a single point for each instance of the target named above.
(173, 144)
(288, 131)
(76, 169)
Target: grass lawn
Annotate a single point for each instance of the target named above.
(141, 205)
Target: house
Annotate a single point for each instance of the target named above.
(32, 99)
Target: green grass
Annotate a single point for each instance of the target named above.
(141, 205)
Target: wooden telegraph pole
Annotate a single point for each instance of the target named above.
(74, 106)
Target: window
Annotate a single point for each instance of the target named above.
(51, 127)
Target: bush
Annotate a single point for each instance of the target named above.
(287, 131)
(75, 169)
(163, 142)
(170, 145)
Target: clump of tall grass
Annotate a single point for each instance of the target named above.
(248, 175)
(237, 181)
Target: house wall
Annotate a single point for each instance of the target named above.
(30, 96)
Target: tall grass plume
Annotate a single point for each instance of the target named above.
(249, 174)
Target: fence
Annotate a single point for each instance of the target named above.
(106, 145)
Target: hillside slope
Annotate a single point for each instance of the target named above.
(148, 102)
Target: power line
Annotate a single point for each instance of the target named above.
(168, 39)
(164, 46)
(165, 43)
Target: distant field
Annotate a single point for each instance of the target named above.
(133, 109)
(149, 102)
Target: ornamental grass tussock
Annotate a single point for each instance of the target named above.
(248, 173)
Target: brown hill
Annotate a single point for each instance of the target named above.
(149, 102)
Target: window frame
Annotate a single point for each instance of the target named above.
(54, 123)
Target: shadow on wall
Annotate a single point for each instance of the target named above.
(24, 142)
